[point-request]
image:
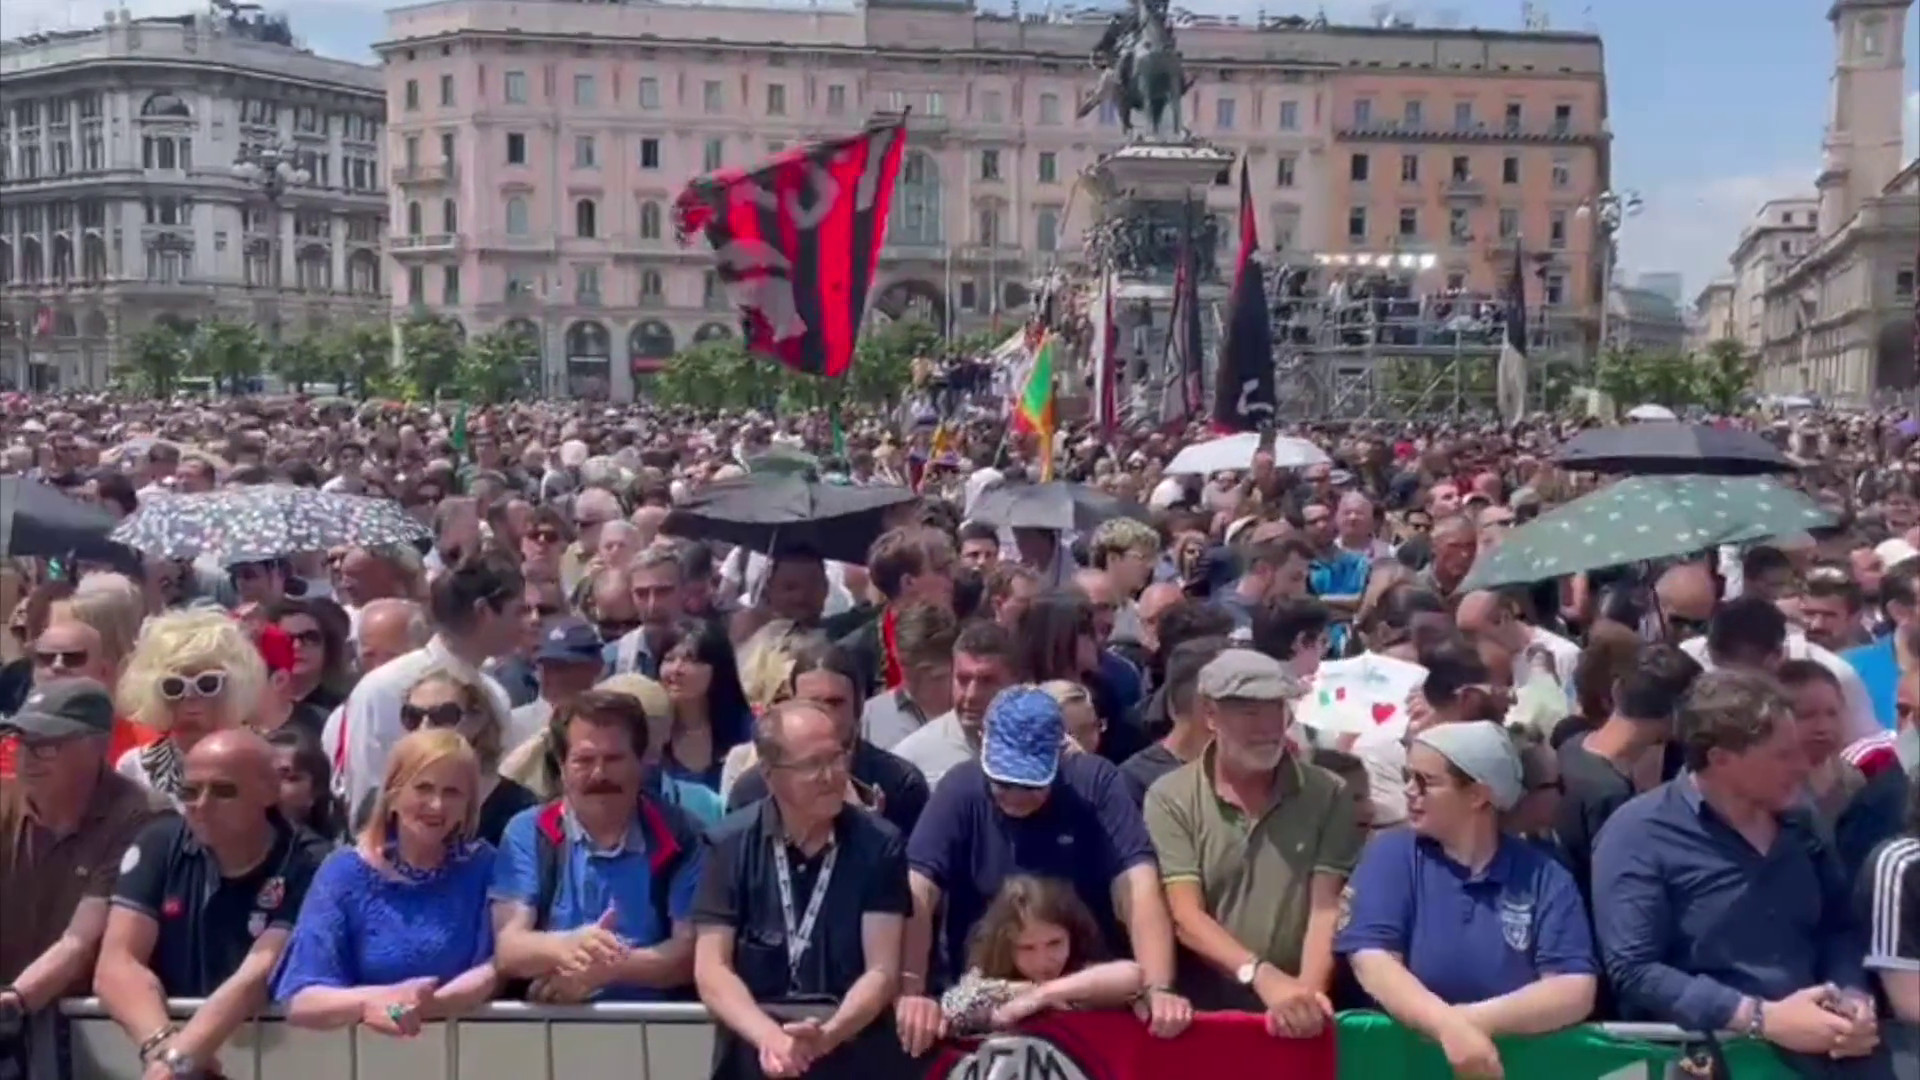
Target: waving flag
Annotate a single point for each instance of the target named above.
(798, 237)
(1102, 358)
(1511, 376)
(1181, 388)
(1243, 392)
(1036, 410)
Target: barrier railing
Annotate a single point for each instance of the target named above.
(517, 1041)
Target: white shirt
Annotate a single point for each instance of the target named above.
(1565, 654)
(936, 748)
(370, 719)
(1858, 717)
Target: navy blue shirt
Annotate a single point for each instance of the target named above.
(1691, 918)
(1088, 833)
(1467, 938)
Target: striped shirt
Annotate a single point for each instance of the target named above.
(1890, 897)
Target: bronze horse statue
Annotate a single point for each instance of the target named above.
(1142, 71)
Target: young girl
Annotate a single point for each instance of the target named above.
(1036, 948)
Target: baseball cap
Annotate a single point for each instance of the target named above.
(569, 640)
(1483, 750)
(1246, 675)
(1024, 735)
(64, 709)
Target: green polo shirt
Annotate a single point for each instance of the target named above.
(1256, 875)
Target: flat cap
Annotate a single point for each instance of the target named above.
(1246, 675)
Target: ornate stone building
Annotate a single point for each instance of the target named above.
(120, 206)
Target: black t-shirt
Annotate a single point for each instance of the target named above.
(501, 804)
(902, 787)
(209, 923)
(1594, 790)
(1149, 765)
(1888, 901)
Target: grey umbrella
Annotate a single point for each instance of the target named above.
(770, 512)
(1057, 505)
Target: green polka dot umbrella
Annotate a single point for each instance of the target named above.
(1644, 518)
(264, 521)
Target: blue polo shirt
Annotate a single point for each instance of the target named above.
(591, 880)
(1088, 833)
(1467, 938)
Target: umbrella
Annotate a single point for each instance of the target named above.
(1650, 412)
(1668, 449)
(783, 459)
(1234, 453)
(38, 520)
(1057, 505)
(1643, 518)
(265, 521)
(770, 512)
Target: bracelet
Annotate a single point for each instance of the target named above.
(152, 1043)
(1758, 1022)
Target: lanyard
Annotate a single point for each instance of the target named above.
(799, 933)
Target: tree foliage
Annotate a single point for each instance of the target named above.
(1716, 379)
(154, 362)
(359, 358)
(722, 374)
(491, 368)
(301, 361)
(231, 354)
(430, 356)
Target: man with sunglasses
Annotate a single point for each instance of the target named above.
(203, 908)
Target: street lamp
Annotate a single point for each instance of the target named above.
(272, 170)
(1609, 209)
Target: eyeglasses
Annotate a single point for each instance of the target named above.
(217, 790)
(309, 638)
(820, 768)
(60, 658)
(447, 714)
(544, 536)
(42, 749)
(207, 684)
(1421, 783)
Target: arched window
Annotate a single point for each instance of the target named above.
(917, 213)
(586, 219)
(650, 340)
(516, 216)
(166, 106)
(363, 273)
(588, 342)
(449, 216)
(712, 331)
(415, 219)
(649, 220)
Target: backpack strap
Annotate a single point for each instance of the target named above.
(671, 841)
(550, 846)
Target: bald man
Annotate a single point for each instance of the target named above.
(1684, 597)
(204, 906)
(389, 629)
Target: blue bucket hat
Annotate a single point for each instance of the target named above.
(1025, 733)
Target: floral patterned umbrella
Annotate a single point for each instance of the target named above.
(264, 521)
(1643, 518)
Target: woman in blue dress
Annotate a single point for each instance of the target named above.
(395, 930)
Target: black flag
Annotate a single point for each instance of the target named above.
(1243, 397)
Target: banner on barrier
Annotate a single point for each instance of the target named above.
(1117, 1046)
(1373, 1046)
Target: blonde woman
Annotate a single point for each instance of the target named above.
(191, 673)
(395, 930)
(444, 699)
(766, 675)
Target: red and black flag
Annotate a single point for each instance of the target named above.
(797, 239)
(1243, 391)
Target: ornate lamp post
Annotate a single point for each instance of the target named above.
(271, 170)
(1609, 209)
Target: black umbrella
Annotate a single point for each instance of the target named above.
(772, 512)
(38, 520)
(1055, 505)
(1663, 449)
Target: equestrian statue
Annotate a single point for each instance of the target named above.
(1140, 70)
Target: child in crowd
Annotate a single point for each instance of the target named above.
(1036, 948)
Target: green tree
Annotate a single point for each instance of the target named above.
(1635, 377)
(491, 371)
(154, 361)
(430, 350)
(361, 356)
(1723, 375)
(229, 353)
(301, 361)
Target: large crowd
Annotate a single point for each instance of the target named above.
(567, 751)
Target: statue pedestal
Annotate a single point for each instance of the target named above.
(1150, 204)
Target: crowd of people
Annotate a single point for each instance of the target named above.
(567, 753)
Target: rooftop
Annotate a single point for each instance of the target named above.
(227, 34)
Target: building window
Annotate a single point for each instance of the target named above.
(936, 103)
(1358, 168)
(649, 153)
(516, 216)
(585, 154)
(450, 285)
(1510, 169)
(449, 216)
(1462, 169)
(712, 97)
(1414, 114)
(519, 286)
(1049, 167)
(1463, 116)
(992, 108)
(586, 217)
(1362, 112)
(649, 92)
(413, 94)
(1556, 289)
(1557, 230)
(651, 285)
(989, 164)
(585, 94)
(987, 227)
(649, 220)
(1562, 119)
(714, 154)
(1409, 168)
(446, 91)
(1223, 113)
(1873, 30)
(1409, 222)
(712, 296)
(776, 99)
(1459, 225)
(1289, 116)
(417, 285)
(1562, 172)
(1357, 224)
(1509, 223)
(1050, 108)
(416, 219)
(1046, 229)
(446, 148)
(1515, 116)
(515, 87)
(516, 148)
(586, 284)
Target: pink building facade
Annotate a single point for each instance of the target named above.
(536, 148)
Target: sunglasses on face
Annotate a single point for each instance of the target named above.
(67, 658)
(217, 790)
(309, 638)
(447, 714)
(544, 536)
(207, 684)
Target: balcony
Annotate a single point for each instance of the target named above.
(420, 174)
(425, 244)
(918, 123)
(1465, 189)
(1393, 130)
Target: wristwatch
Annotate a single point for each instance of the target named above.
(1758, 1020)
(179, 1065)
(1247, 972)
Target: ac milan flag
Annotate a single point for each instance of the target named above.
(1181, 388)
(1243, 390)
(797, 239)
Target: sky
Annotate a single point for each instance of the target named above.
(1704, 135)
